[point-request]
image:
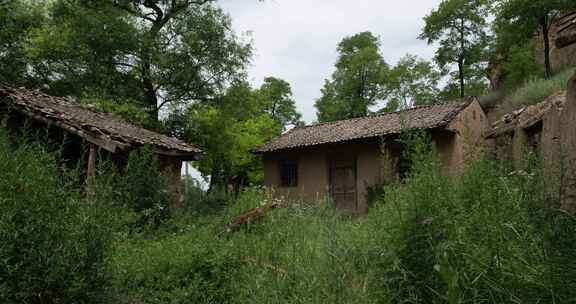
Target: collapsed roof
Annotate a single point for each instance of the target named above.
(423, 117)
(102, 129)
(527, 116)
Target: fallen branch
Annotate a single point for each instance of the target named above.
(250, 216)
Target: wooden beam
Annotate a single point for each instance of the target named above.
(91, 170)
(190, 156)
(105, 143)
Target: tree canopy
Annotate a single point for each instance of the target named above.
(151, 53)
(519, 21)
(358, 81)
(412, 81)
(460, 29)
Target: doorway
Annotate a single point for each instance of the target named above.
(343, 183)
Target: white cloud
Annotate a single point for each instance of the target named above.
(296, 39)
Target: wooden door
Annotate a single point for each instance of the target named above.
(343, 183)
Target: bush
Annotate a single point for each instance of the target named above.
(535, 91)
(145, 189)
(54, 242)
(192, 268)
(489, 237)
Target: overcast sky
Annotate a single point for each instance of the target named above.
(296, 39)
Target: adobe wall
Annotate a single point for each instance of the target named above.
(567, 136)
(468, 143)
(313, 171)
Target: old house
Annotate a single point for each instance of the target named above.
(533, 128)
(547, 128)
(343, 159)
(84, 132)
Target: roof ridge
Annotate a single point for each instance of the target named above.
(465, 100)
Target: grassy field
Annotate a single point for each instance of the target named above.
(492, 236)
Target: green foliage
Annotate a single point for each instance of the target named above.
(145, 189)
(16, 18)
(192, 268)
(124, 109)
(412, 81)
(357, 82)
(148, 53)
(277, 101)
(55, 242)
(490, 236)
(518, 20)
(459, 26)
(535, 91)
(228, 130)
(521, 65)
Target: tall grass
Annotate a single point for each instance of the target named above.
(54, 242)
(536, 90)
(492, 236)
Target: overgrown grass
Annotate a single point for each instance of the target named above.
(54, 241)
(535, 91)
(491, 236)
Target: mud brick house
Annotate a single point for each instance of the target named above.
(343, 159)
(535, 128)
(85, 133)
(547, 128)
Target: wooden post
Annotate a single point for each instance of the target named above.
(91, 170)
(187, 175)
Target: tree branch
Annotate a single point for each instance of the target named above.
(132, 11)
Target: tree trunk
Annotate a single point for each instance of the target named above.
(461, 77)
(546, 39)
(461, 60)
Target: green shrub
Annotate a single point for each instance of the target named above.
(53, 242)
(144, 189)
(492, 235)
(487, 237)
(192, 268)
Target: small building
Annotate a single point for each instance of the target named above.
(547, 129)
(533, 128)
(83, 132)
(344, 159)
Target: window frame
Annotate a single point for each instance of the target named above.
(288, 171)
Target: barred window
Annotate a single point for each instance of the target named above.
(288, 173)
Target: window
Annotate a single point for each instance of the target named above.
(288, 173)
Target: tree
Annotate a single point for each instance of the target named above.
(227, 130)
(154, 52)
(412, 81)
(459, 26)
(525, 17)
(357, 82)
(277, 101)
(16, 19)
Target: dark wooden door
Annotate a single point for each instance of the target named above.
(343, 183)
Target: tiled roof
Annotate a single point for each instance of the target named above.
(105, 130)
(424, 117)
